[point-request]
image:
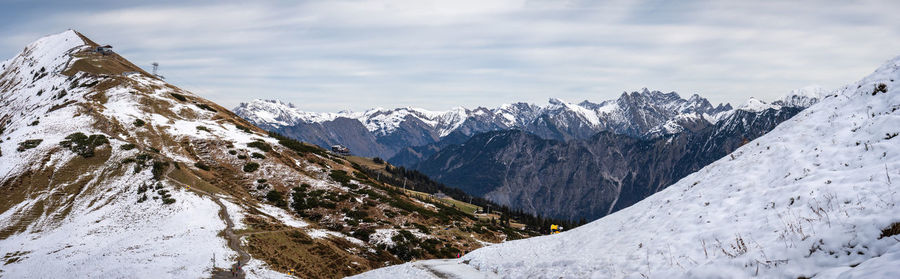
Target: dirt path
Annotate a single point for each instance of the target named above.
(234, 241)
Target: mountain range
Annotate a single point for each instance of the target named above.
(405, 132)
(562, 160)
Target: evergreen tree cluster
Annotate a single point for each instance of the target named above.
(418, 181)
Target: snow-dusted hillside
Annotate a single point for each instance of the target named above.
(815, 197)
(109, 172)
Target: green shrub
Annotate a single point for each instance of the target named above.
(251, 167)
(29, 144)
(422, 228)
(201, 128)
(276, 198)
(363, 234)
(168, 200)
(158, 169)
(242, 157)
(378, 160)
(265, 147)
(242, 128)
(340, 177)
(82, 144)
(232, 152)
(261, 180)
(127, 146)
(179, 97)
(357, 214)
(257, 156)
(206, 107)
(202, 166)
(139, 123)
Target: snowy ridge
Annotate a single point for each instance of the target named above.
(642, 113)
(756, 105)
(809, 199)
(593, 116)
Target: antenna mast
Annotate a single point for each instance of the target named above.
(155, 67)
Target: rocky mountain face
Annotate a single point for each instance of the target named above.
(388, 133)
(590, 178)
(108, 171)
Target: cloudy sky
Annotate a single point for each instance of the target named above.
(337, 55)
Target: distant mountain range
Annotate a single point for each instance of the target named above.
(561, 160)
(411, 133)
(385, 132)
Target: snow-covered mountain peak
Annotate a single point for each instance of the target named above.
(48, 53)
(756, 105)
(556, 101)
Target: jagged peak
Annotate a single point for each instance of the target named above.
(556, 101)
(755, 105)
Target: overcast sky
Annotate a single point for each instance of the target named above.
(337, 55)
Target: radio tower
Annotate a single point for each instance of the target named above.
(155, 67)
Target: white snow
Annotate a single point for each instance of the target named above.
(124, 238)
(810, 198)
(236, 213)
(437, 269)
(282, 215)
(322, 233)
(258, 269)
(756, 105)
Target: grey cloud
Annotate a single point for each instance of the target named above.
(333, 55)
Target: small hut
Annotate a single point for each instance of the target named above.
(340, 149)
(104, 49)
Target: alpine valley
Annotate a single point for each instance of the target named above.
(562, 160)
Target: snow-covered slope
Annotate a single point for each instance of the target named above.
(813, 198)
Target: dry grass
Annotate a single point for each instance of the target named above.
(286, 248)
